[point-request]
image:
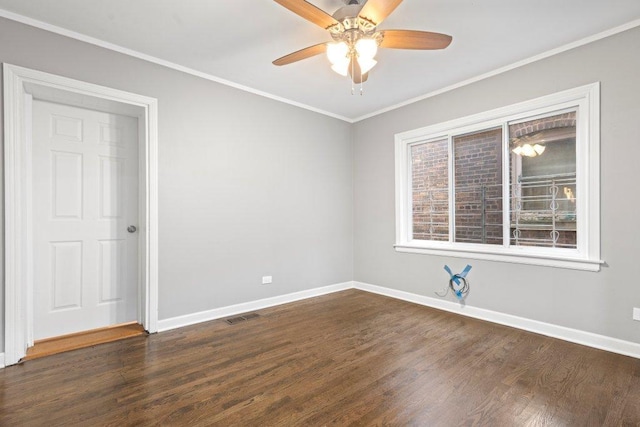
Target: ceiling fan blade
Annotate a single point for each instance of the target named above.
(356, 75)
(377, 10)
(410, 39)
(309, 12)
(301, 54)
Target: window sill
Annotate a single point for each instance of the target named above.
(568, 262)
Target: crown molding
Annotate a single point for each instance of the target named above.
(158, 61)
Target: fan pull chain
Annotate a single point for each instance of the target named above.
(353, 69)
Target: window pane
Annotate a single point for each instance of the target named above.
(430, 192)
(543, 181)
(478, 187)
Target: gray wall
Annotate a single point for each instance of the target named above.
(596, 302)
(247, 186)
(252, 187)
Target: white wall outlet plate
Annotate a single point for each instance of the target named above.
(266, 280)
(636, 314)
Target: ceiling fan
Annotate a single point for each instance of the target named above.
(353, 28)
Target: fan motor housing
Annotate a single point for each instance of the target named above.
(350, 26)
(348, 11)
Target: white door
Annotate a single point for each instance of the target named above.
(85, 196)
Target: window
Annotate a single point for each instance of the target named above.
(517, 184)
(543, 186)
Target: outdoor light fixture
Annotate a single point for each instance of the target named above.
(529, 150)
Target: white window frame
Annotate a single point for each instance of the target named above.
(586, 99)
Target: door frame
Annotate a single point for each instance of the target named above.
(19, 85)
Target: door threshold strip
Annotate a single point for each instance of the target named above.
(55, 345)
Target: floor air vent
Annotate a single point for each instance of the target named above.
(242, 318)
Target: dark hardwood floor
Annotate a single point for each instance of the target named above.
(349, 358)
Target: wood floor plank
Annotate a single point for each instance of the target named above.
(349, 358)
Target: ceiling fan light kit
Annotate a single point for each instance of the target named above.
(341, 53)
(356, 40)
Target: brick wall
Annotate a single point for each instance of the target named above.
(553, 122)
(430, 183)
(478, 164)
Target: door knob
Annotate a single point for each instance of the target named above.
(131, 229)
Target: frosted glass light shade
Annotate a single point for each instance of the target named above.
(337, 52)
(341, 67)
(538, 148)
(366, 48)
(366, 64)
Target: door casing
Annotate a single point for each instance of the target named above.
(21, 85)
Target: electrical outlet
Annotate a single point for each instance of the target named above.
(636, 314)
(266, 280)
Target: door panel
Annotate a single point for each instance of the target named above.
(66, 128)
(66, 185)
(66, 275)
(111, 176)
(112, 266)
(85, 195)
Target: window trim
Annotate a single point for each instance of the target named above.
(586, 99)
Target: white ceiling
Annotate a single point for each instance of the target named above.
(237, 40)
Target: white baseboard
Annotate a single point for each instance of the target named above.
(589, 339)
(217, 313)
